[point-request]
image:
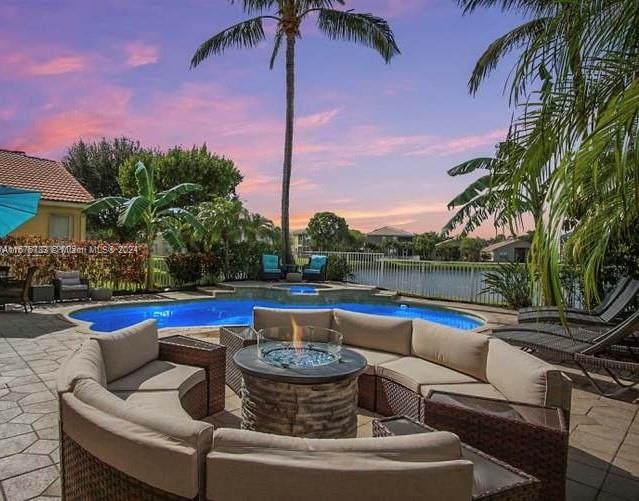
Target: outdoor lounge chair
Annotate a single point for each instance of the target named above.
(271, 267)
(70, 285)
(315, 270)
(585, 347)
(613, 304)
(17, 291)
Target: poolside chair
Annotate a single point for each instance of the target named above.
(70, 285)
(17, 291)
(613, 304)
(315, 270)
(271, 267)
(585, 347)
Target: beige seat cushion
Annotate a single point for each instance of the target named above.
(522, 377)
(412, 372)
(85, 363)
(485, 390)
(322, 470)
(460, 350)
(160, 375)
(373, 357)
(167, 402)
(374, 332)
(163, 458)
(264, 318)
(126, 350)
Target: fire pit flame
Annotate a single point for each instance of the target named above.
(299, 347)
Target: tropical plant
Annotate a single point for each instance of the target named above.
(576, 87)
(512, 282)
(424, 244)
(95, 165)
(288, 16)
(218, 176)
(328, 231)
(152, 210)
(223, 221)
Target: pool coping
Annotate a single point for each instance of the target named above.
(491, 316)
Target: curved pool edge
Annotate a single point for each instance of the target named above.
(477, 312)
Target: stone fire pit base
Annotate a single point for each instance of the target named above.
(322, 410)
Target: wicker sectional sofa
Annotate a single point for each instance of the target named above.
(131, 428)
(407, 359)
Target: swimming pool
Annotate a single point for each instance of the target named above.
(237, 309)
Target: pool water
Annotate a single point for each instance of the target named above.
(237, 309)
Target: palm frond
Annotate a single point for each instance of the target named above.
(248, 33)
(105, 204)
(365, 29)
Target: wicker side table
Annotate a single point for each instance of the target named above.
(493, 480)
(198, 353)
(235, 338)
(529, 437)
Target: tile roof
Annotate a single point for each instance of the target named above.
(390, 231)
(48, 177)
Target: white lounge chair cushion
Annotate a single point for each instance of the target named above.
(522, 377)
(463, 351)
(272, 317)
(484, 390)
(85, 363)
(373, 358)
(149, 446)
(160, 375)
(287, 468)
(413, 372)
(128, 349)
(374, 332)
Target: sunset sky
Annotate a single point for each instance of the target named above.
(373, 141)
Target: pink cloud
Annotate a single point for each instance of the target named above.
(389, 8)
(141, 54)
(317, 119)
(17, 61)
(60, 66)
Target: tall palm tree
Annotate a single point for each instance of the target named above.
(288, 16)
(152, 210)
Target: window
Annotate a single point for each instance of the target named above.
(60, 226)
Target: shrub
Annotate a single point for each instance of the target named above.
(512, 282)
(338, 269)
(185, 268)
(119, 266)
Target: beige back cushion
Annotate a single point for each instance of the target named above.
(522, 377)
(264, 318)
(456, 349)
(85, 363)
(355, 469)
(374, 331)
(128, 349)
(154, 457)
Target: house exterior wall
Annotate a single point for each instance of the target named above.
(40, 224)
(508, 253)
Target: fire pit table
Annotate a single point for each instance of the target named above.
(300, 382)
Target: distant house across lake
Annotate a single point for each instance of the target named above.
(389, 233)
(512, 250)
(62, 197)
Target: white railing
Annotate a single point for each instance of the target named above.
(455, 281)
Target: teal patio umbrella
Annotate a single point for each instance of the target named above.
(17, 206)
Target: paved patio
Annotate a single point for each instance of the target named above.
(603, 458)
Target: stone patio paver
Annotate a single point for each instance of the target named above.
(603, 457)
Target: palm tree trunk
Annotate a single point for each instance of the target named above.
(286, 255)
